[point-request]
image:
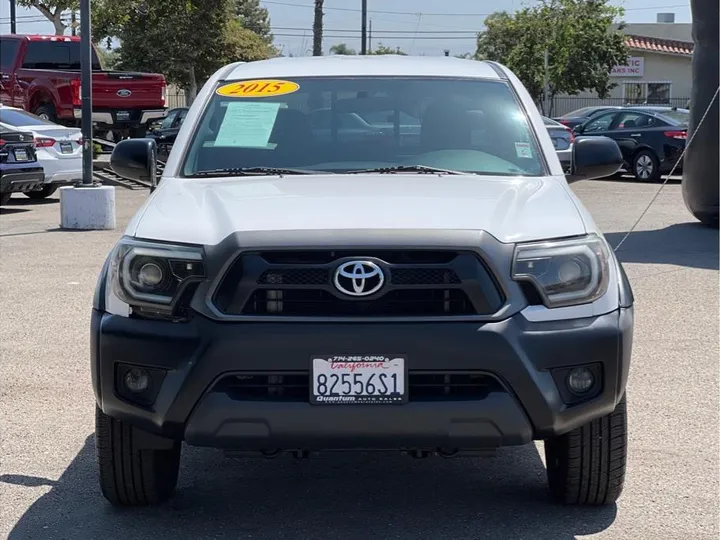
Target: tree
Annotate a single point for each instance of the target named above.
(52, 10)
(341, 48)
(382, 49)
(581, 45)
(318, 28)
(254, 17)
(186, 40)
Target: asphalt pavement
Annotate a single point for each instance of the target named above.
(48, 485)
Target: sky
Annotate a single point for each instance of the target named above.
(416, 26)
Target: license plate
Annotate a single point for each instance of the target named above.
(20, 155)
(123, 115)
(66, 147)
(355, 380)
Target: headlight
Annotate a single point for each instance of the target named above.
(154, 275)
(565, 272)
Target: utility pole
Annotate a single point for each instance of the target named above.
(370, 37)
(318, 28)
(546, 84)
(13, 18)
(73, 23)
(363, 32)
(86, 97)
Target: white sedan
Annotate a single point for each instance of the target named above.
(59, 148)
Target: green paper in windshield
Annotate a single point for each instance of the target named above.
(247, 125)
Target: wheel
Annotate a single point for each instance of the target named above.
(129, 475)
(587, 465)
(45, 192)
(138, 132)
(646, 166)
(5, 198)
(47, 112)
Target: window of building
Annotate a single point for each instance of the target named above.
(653, 92)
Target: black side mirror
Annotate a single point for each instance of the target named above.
(579, 128)
(136, 159)
(594, 157)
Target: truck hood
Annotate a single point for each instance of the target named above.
(205, 211)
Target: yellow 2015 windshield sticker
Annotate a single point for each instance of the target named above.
(257, 88)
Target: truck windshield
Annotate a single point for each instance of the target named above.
(340, 124)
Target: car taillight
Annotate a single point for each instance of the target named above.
(572, 136)
(564, 122)
(164, 94)
(676, 135)
(44, 142)
(76, 92)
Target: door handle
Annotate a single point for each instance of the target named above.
(636, 135)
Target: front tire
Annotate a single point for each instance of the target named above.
(5, 198)
(646, 166)
(130, 475)
(44, 193)
(587, 465)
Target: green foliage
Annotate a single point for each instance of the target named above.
(582, 46)
(254, 17)
(109, 58)
(382, 49)
(186, 40)
(52, 10)
(341, 48)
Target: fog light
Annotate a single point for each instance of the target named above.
(580, 380)
(137, 380)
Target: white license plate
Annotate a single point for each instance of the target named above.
(66, 147)
(355, 380)
(20, 155)
(123, 115)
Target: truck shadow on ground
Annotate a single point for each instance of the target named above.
(339, 496)
(683, 244)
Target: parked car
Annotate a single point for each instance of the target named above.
(579, 116)
(19, 170)
(41, 74)
(651, 139)
(281, 294)
(165, 131)
(59, 149)
(562, 138)
(364, 125)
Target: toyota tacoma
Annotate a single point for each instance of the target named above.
(294, 288)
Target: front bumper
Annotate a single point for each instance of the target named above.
(194, 356)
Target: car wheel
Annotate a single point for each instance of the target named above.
(5, 198)
(587, 465)
(46, 112)
(131, 475)
(43, 193)
(646, 166)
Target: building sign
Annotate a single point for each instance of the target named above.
(635, 68)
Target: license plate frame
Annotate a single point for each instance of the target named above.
(66, 147)
(359, 371)
(21, 154)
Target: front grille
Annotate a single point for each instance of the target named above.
(418, 283)
(423, 386)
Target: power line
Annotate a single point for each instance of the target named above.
(436, 14)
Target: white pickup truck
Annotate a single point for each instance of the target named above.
(300, 287)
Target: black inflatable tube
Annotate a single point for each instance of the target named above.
(701, 165)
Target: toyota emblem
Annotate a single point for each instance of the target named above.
(359, 278)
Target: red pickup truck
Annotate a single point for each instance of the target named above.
(41, 74)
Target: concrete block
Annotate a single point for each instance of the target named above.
(88, 208)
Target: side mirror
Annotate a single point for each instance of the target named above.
(594, 157)
(136, 159)
(579, 128)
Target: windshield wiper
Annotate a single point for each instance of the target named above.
(251, 171)
(422, 169)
